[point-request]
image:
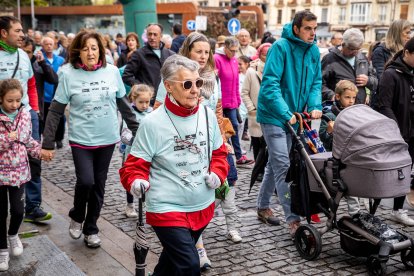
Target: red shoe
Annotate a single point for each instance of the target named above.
(315, 218)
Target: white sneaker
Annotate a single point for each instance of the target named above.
(130, 211)
(75, 229)
(401, 216)
(234, 236)
(16, 246)
(4, 260)
(92, 241)
(204, 261)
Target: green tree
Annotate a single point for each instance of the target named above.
(70, 2)
(13, 3)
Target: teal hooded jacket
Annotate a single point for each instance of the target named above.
(292, 80)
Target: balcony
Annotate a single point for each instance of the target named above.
(324, 2)
(383, 1)
(342, 2)
(306, 2)
(292, 3)
(280, 3)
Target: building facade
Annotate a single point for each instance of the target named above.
(372, 17)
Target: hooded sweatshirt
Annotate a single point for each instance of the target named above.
(396, 95)
(228, 72)
(291, 80)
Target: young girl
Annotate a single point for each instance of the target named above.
(139, 96)
(345, 96)
(15, 143)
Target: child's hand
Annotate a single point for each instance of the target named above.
(229, 148)
(13, 135)
(47, 155)
(329, 129)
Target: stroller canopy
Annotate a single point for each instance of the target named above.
(365, 138)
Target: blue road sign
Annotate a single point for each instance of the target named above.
(234, 26)
(191, 24)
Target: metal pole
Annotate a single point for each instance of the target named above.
(33, 15)
(18, 9)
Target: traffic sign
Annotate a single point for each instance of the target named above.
(233, 26)
(201, 23)
(191, 25)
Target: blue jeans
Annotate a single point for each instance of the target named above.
(232, 174)
(232, 115)
(278, 143)
(33, 188)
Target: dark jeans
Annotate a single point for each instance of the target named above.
(91, 167)
(15, 197)
(232, 115)
(179, 255)
(33, 188)
(60, 131)
(232, 174)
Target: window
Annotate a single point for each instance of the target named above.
(342, 15)
(279, 16)
(292, 14)
(203, 3)
(404, 12)
(360, 12)
(382, 16)
(324, 15)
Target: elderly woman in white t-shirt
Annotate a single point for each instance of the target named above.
(179, 163)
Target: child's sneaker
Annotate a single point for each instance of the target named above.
(402, 217)
(234, 236)
(204, 260)
(4, 259)
(16, 246)
(244, 161)
(130, 211)
(37, 215)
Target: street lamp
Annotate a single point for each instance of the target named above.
(33, 14)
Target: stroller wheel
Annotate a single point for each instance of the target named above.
(407, 257)
(376, 267)
(308, 242)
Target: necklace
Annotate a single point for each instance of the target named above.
(193, 148)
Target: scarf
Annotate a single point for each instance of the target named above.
(95, 67)
(209, 78)
(9, 49)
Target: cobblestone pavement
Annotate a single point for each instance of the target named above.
(265, 250)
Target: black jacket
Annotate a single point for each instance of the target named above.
(43, 72)
(380, 56)
(396, 95)
(335, 68)
(144, 67)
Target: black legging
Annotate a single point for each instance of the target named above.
(399, 201)
(16, 199)
(91, 167)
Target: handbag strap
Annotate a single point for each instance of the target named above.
(17, 65)
(208, 139)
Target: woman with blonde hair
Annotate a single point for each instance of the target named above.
(398, 34)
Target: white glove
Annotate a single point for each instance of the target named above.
(136, 187)
(212, 180)
(126, 137)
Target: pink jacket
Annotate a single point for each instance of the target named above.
(14, 163)
(228, 72)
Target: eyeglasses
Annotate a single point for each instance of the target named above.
(187, 84)
(233, 51)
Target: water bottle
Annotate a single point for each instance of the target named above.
(122, 148)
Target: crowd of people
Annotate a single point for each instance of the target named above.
(205, 96)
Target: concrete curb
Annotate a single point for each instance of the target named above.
(115, 243)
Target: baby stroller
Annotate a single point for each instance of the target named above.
(369, 159)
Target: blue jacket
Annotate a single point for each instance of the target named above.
(291, 81)
(51, 88)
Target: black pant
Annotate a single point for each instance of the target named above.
(399, 201)
(130, 197)
(179, 255)
(16, 198)
(91, 167)
(60, 131)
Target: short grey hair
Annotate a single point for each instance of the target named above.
(175, 63)
(231, 42)
(353, 37)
